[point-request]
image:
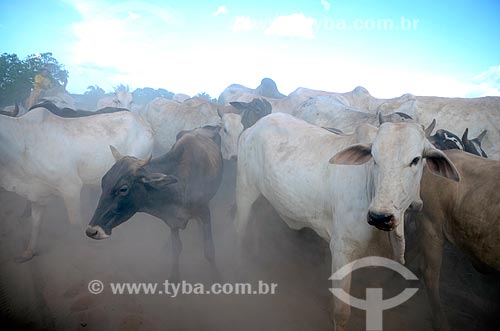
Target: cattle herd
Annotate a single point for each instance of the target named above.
(349, 166)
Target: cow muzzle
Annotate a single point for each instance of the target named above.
(96, 232)
(382, 221)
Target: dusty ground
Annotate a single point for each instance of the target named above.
(50, 292)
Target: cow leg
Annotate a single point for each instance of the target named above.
(73, 204)
(36, 218)
(208, 243)
(245, 198)
(176, 252)
(341, 309)
(432, 251)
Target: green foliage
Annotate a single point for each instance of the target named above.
(92, 95)
(206, 96)
(121, 87)
(17, 76)
(147, 94)
(94, 91)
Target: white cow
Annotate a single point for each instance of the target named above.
(230, 133)
(180, 97)
(457, 114)
(330, 112)
(120, 99)
(333, 183)
(167, 118)
(236, 92)
(43, 155)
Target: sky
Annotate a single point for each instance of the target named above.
(441, 48)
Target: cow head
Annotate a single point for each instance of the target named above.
(123, 99)
(252, 111)
(125, 190)
(230, 133)
(473, 146)
(398, 152)
(444, 140)
(241, 116)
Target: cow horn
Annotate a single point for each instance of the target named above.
(142, 163)
(481, 136)
(116, 154)
(464, 136)
(16, 110)
(429, 129)
(219, 112)
(381, 119)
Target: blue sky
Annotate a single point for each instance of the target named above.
(444, 48)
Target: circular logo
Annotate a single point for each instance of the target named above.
(96, 286)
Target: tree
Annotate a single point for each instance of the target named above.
(17, 76)
(94, 91)
(206, 96)
(121, 87)
(145, 95)
(92, 95)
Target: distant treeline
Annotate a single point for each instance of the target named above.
(17, 78)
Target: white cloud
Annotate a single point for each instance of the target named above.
(133, 15)
(221, 11)
(295, 25)
(487, 83)
(144, 46)
(243, 24)
(325, 4)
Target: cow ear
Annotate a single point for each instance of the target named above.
(267, 105)
(439, 164)
(116, 155)
(158, 180)
(353, 155)
(239, 107)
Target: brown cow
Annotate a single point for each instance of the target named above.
(466, 213)
(174, 187)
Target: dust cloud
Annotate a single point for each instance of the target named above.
(50, 292)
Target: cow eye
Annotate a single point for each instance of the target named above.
(123, 190)
(415, 161)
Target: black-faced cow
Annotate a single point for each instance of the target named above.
(237, 118)
(174, 187)
(473, 146)
(252, 111)
(446, 140)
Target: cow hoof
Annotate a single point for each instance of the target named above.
(25, 257)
